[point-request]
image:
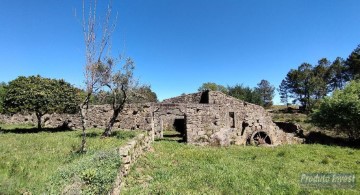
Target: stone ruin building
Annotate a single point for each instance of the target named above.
(203, 118)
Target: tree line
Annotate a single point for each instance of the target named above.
(309, 83)
(329, 91)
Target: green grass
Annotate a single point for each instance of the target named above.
(177, 168)
(32, 162)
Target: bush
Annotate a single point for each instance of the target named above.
(341, 111)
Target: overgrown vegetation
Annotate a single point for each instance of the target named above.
(341, 111)
(174, 168)
(46, 161)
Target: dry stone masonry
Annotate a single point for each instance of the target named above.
(203, 118)
(129, 154)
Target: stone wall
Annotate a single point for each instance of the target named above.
(224, 120)
(134, 116)
(194, 98)
(129, 154)
(204, 118)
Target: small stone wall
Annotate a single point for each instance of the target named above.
(129, 154)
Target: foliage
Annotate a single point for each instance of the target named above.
(2, 95)
(81, 95)
(213, 87)
(122, 87)
(284, 92)
(341, 112)
(337, 74)
(299, 83)
(266, 91)
(308, 84)
(246, 94)
(319, 79)
(144, 95)
(179, 168)
(31, 162)
(40, 96)
(353, 64)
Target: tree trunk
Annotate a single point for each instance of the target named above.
(83, 114)
(110, 125)
(38, 116)
(117, 108)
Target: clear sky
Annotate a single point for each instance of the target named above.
(179, 44)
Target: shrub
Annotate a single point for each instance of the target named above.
(341, 111)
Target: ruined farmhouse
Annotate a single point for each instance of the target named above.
(203, 118)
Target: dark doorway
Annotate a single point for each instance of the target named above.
(179, 131)
(179, 126)
(204, 97)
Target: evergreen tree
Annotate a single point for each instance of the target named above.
(320, 79)
(337, 74)
(353, 64)
(266, 91)
(284, 92)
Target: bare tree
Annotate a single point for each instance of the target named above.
(97, 39)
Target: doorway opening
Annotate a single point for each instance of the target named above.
(178, 132)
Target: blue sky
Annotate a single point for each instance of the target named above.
(179, 44)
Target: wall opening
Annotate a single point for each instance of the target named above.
(179, 125)
(178, 130)
(258, 138)
(232, 119)
(244, 125)
(204, 97)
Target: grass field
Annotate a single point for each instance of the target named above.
(177, 168)
(36, 162)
